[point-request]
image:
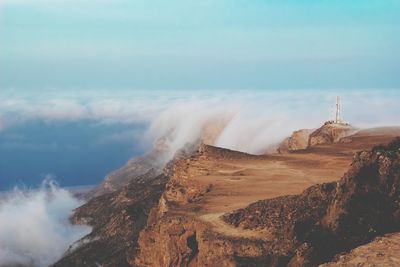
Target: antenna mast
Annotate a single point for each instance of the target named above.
(338, 111)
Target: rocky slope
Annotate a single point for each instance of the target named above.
(382, 252)
(330, 133)
(152, 163)
(175, 235)
(297, 230)
(327, 134)
(327, 219)
(198, 214)
(297, 141)
(116, 218)
(138, 168)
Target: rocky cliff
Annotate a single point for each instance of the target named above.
(197, 212)
(327, 134)
(297, 230)
(382, 252)
(330, 133)
(138, 168)
(116, 218)
(176, 236)
(297, 141)
(327, 219)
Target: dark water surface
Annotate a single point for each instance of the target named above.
(74, 153)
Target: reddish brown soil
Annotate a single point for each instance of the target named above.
(239, 179)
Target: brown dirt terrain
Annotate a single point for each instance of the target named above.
(187, 228)
(192, 214)
(239, 179)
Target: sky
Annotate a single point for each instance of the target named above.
(87, 84)
(209, 44)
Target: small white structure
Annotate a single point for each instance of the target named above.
(336, 117)
(338, 114)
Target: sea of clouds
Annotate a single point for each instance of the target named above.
(253, 120)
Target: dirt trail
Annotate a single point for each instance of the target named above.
(221, 227)
(240, 180)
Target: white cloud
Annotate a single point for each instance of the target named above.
(253, 120)
(34, 226)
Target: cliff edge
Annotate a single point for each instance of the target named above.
(327, 134)
(206, 208)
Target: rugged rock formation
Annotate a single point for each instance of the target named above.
(138, 168)
(327, 134)
(330, 133)
(331, 218)
(177, 219)
(116, 218)
(367, 198)
(382, 252)
(297, 141)
(152, 164)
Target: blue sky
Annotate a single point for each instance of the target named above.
(87, 84)
(213, 44)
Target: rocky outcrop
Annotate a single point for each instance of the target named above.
(176, 236)
(367, 199)
(160, 221)
(138, 168)
(152, 164)
(297, 141)
(116, 218)
(182, 240)
(327, 134)
(330, 133)
(327, 219)
(383, 252)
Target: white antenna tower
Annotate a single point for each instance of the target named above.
(338, 114)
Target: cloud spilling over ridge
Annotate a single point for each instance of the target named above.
(239, 126)
(34, 226)
(186, 123)
(256, 122)
(249, 121)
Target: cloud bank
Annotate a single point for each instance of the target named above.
(34, 226)
(249, 121)
(254, 123)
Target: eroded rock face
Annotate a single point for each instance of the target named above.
(382, 252)
(176, 236)
(330, 133)
(327, 134)
(182, 240)
(116, 218)
(367, 198)
(156, 222)
(138, 168)
(327, 219)
(297, 141)
(289, 220)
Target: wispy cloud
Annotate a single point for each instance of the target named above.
(252, 120)
(34, 227)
